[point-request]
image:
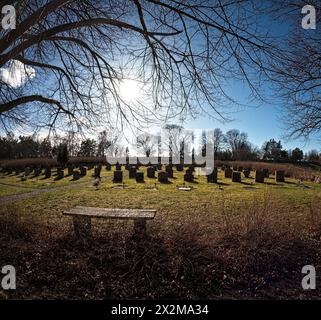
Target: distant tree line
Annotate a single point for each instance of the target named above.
(232, 145)
(235, 145)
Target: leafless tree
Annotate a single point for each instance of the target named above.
(62, 67)
(297, 77)
(238, 143)
(177, 141)
(147, 143)
(106, 140)
(172, 139)
(217, 139)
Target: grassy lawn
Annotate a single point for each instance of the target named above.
(41, 182)
(10, 190)
(225, 240)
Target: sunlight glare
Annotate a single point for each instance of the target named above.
(129, 90)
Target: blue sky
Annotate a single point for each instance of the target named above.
(261, 121)
(261, 124)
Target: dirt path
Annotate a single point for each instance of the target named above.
(35, 192)
(11, 185)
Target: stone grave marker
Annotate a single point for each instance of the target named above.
(266, 173)
(188, 177)
(169, 170)
(132, 172)
(163, 177)
(212, 177)
(76, 174)
(70, 170)
(279, 176)
(247, 173)
(191, 168)
(236, 176)
(27, 171)
(259, 176)
(151, 172)
(37, 172)
(118, 176)
(60, 173)
(228, 172)
(140, 177)
(48, 173)
(97, 171)
(185, 188)
(83, 171)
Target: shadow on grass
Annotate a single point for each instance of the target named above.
(223, 184)
(170, 263)
(72, 179)
(271, 183)
(247, 183)
(117, 267)
(168, 182)
(44, 178)
(288, 182)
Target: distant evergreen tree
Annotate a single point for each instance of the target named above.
(63, 155)
(45, 148)
(272, 150)
(297, 155)
(88, 148)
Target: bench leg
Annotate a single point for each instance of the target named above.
(82, 227)
(139, 228)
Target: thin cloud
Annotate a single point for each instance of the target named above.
(17, 74)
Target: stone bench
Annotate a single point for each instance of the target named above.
(82, 218)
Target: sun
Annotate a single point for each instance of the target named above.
(129, 90)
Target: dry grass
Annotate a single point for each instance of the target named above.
(48, 162)
(22, 163)
(253, 250)
(291, 170)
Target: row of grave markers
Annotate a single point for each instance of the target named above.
(163, 176)
(260, 175)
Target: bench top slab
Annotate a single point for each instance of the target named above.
(109, 213)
